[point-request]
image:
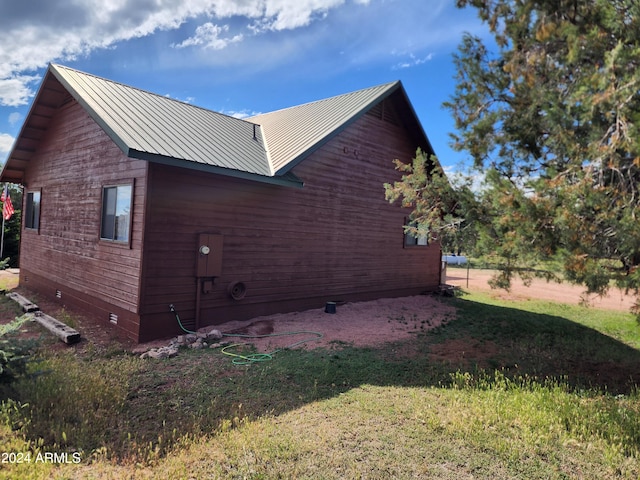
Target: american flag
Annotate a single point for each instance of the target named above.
(7, 206)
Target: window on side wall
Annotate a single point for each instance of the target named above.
(32, 210)
(116, 213)
(414, 239)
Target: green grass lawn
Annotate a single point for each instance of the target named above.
(523, 390)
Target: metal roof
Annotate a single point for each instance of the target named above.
(294, 133)
(145, 125)
(159, 129)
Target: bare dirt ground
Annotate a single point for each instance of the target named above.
(539, 289)
(359, 324)
(394, 319)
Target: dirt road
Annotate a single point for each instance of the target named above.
(539, 289)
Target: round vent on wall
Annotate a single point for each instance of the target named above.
(237, 290)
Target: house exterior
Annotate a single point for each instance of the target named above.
(134, 202)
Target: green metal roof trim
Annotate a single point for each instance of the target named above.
(159, 129)
(292, 134)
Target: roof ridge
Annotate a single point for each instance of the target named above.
(153, 127)
(148, 92)
(310, 125)
(361, 90)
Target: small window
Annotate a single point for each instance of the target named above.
(116, 213)
(413, 238)
(32, 214)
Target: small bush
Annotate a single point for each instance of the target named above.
(14, 353)
(4, 264)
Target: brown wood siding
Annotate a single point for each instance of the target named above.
(127, 325)
(335, 239)
(74, 160)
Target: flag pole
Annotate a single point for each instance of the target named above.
(2, 238)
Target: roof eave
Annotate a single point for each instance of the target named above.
(286, 180)
(9, 173)
(421, 131)
(119, 141)
(6, 167)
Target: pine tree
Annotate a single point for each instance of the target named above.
(554, 115)
(551, 118)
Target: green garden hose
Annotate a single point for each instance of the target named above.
(254, 357)
(262, 357)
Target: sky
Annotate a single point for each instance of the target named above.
(239, 57)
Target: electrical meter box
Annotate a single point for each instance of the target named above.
(209, 255)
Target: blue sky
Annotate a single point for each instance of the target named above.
(239, 57)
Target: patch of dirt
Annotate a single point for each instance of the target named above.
(540, 289)
(462, 352)
(361, 324)
(93, 334)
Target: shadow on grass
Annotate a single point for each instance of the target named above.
(201, 391)
(482, 339)
(543, 345)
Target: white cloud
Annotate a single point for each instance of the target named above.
(208, 35)
(15, 117)
(190, 100)
(413, 61)
(286, 15)
(460, 176)
(6, 142)
(15, 90)
(241, 114)
(37, 32)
